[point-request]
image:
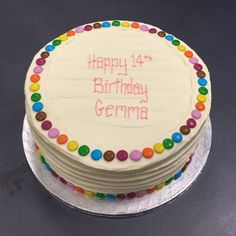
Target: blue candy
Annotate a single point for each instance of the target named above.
(106, 24)
(110, 197)
(38, 106)
(48, 167)
(177, 137)
(202, 82)
(49, 48)
(178, 174)
(96, 154)
(169, 37)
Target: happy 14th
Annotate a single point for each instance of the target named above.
(116, 65)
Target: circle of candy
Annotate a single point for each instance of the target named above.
(157, 148)
(110, 196)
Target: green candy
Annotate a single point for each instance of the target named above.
(168, 181)
(168, 143)
(203, 90)
(56, 42)
(100, 195)
(43, 159)
(83, 150)
(115, 23)
(35, 97)
(176, 42)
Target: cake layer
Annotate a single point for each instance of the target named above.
(109, 181)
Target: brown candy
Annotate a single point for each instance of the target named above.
(201, 74)
(185, 129)
(40, 116)
(109, 155)
(97, 25)
(54, 173)
(161, 34)
(45, 54)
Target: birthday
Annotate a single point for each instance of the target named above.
(127, 87)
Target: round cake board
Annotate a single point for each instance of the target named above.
(118, 208)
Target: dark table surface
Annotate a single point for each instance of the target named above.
(208, 207)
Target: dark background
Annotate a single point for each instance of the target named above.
(208, 207)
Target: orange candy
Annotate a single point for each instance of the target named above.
(151, 190)
(200, 106)
(78, 189)
(70, 33)
(61, 139)
(188, 54)
(148, 152)
(34, 78)
(135, 25)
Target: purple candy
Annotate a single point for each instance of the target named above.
(191, 123)
(197, 67)
(46, 125)
(122, 155)
(40, 61)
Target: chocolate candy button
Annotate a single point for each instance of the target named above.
(184, 129)
(44, 54)
(40, 116)
(109, 155)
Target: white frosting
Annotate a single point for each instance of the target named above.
(67, 89)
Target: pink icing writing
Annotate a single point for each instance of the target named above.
(108, 64)
(121, 111)
(121, 87)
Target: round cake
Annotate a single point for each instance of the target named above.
(116, 108)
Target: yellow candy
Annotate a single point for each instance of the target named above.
(125, 24)
(160, 186)
(89, 194)
(158, 148)
(181, 48)
(63, 37)
(34, 87)
(201, 98)
(72, 145)
(39, 153)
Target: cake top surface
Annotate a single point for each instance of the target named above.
(120, 93)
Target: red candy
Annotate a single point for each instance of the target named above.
(191, 123)
(197, 66)
(40, 61)
(46, 125)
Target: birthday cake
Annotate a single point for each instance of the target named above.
(116, 108)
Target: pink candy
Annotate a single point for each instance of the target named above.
(79, 29)
(193, 60)
(196, 114)
(53, 133)
(144, 28)
(38, 69)
(135, 155)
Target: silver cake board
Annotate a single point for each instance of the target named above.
(117, 208)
